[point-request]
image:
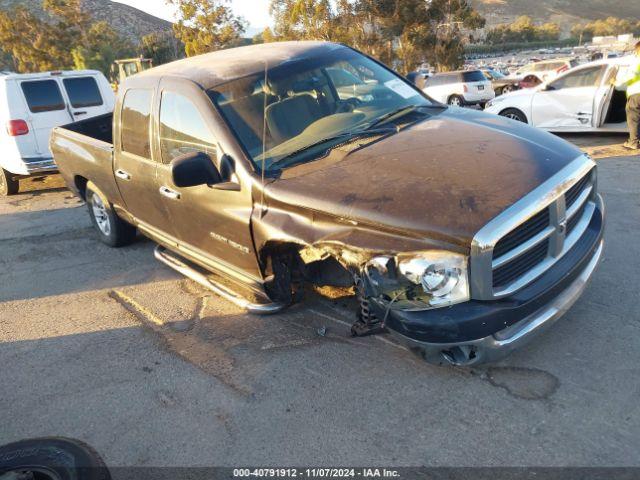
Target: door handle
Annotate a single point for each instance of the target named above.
(79, 113)
(123, 175)
(171, 194)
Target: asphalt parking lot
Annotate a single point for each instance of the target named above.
(113, 348)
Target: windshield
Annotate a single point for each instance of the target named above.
(496, 74)
(311, 103)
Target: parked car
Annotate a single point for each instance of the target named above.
(582, 99)
(546, 70)
(460, 88)
(500, 82)
(530, 81)
(31, 105)
(462, 233)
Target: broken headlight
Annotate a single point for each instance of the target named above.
(422, 280)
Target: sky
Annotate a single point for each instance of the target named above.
(256, 12)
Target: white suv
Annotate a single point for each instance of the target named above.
(460, 88)
(31, 105)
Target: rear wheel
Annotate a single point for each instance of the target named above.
(9, 185)
(507, 89)
(112, 230)
(514, 114)
(455, 101)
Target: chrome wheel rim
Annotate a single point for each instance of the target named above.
(506, 89)
(455, 101)
(100, 214)
(513, 116)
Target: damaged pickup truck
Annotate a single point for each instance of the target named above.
(261, 169)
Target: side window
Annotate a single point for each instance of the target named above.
(134, 122)
(182, 128)
(83, 92)
(585, 77)
(43, 96)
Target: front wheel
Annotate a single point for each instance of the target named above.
(112, 230)
(51, 459)
(9, 185)
(514, 114)
(455, 101)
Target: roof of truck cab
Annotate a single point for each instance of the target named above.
(215, 68)
(40, 75)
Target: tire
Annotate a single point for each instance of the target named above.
(9, 185)
(514, 114)
(455, 101)
(52, 458)
(112, 230)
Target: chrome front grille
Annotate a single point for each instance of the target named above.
(528, 238)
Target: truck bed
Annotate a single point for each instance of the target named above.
(83, 151)
(98, 128)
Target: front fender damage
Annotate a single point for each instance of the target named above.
(298, 246)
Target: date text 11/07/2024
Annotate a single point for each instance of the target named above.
(316, 473)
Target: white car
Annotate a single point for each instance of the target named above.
(460, 88)
(31, 105)
(580, 100)
(546, 70)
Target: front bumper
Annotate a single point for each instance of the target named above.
(484, 331)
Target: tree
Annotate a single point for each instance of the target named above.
(102, 47)
(523, 29)
(401, 33)
(159, 47)
(606, 27)
(206, 25)
(65, 39)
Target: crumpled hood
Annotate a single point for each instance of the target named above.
(443, 178)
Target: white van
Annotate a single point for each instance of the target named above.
(31, 105)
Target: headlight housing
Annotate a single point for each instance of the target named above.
(422, 280)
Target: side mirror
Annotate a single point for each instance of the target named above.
(194, 169)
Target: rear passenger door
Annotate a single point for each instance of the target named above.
(134, 168)
(46, 109)
(85, 99)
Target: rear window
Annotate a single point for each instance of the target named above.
(136, 112)
(43, 96)
(83, 92)
(474, 76)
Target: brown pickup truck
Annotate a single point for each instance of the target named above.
(264, 168)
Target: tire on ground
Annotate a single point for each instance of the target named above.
(8, 184)
(514, 114)
(111, 229)
(455, 100)
(62, 458)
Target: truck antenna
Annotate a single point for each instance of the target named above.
(264, 133)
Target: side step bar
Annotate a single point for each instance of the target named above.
(181, 266)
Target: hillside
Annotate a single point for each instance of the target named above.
(128, 21)
(564, 12)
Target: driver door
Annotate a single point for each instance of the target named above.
(212, 222)
(568, 102)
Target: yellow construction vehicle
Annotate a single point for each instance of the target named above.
(126, 67)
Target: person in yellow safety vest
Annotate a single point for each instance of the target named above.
(632, 82)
